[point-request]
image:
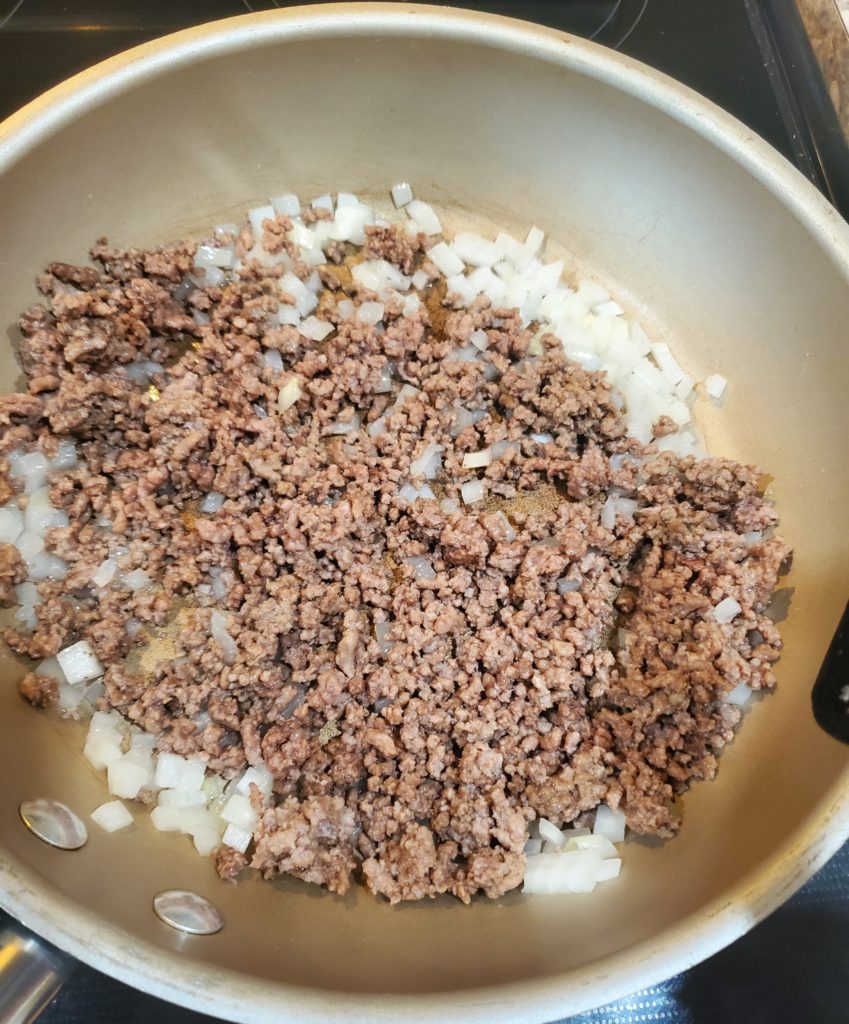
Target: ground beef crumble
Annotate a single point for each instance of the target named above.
(531, 660)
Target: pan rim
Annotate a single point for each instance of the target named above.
(239, 997)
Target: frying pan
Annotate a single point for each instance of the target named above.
(698, 227)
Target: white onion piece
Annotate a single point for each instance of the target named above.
(480, 340)
(726, 610)
(286, 205)
(136, 580)
(616, 506)
(566, 586)
(379, 276)
(350, 222)
(402, 193)
(301, 235)
(289, 393)
(533, 243)
(126, 777)
(305, 301)
(381, 631)
(550, 832)
(104, 739)
(344, 199)
(258, 216)
(324, 202)
(506, 525)
(142, 741)
(11, 524)
(513, 252)
(206, 839)
(238, 811)
(422, 568)
(287, 315)
(715, 386)
(176, 772)
(425, 216)
(610, 824)
(428, 462)
(272, 360)
(45, 566)
(385, 379)
(212, 503)
(112, 816)
(477, 460)
(104, 572)
(542, 438)
(225, 231)
(79, 663)
(410, 493)
(344, 427)
(377, 428)
(472, 491)
(370, 313)
(445, 260)
(168, 819)
(27, 593)
(475, 250)
(181, 798)
(500, 448)
(256, 776)
(211, 256)
(236, 837)
(407, 391)
(449, 505)
(609, 308)
(571, 872)
(739, 696)
(218, 632)
(66, 454)
(601, 844)
(29, 545)
(315, 329)
(420, 280)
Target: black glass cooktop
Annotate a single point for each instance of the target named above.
(752, 58)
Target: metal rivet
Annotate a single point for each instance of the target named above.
(187, 912)
(54, 824)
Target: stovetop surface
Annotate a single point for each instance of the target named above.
(752, 58)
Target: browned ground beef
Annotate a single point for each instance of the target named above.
(497, 698)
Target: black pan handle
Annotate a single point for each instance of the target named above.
(31, 973)
(830, 697)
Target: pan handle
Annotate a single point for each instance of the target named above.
(31, 973)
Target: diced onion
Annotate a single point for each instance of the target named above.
(218, 631)
(610, 824)
(402, 193)
(477, 460)
(428, 462)
(79, 663)
(112, 816)
(176, 772)
(472, 491)
(315, 329)
(289, 393)
(739, 695)
(422, 568)
(425, 216)
(726, 610)
(715, 386)
(445, 259)
(236, 837)
(212, 503)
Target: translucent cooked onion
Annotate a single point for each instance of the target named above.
(218, 632)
